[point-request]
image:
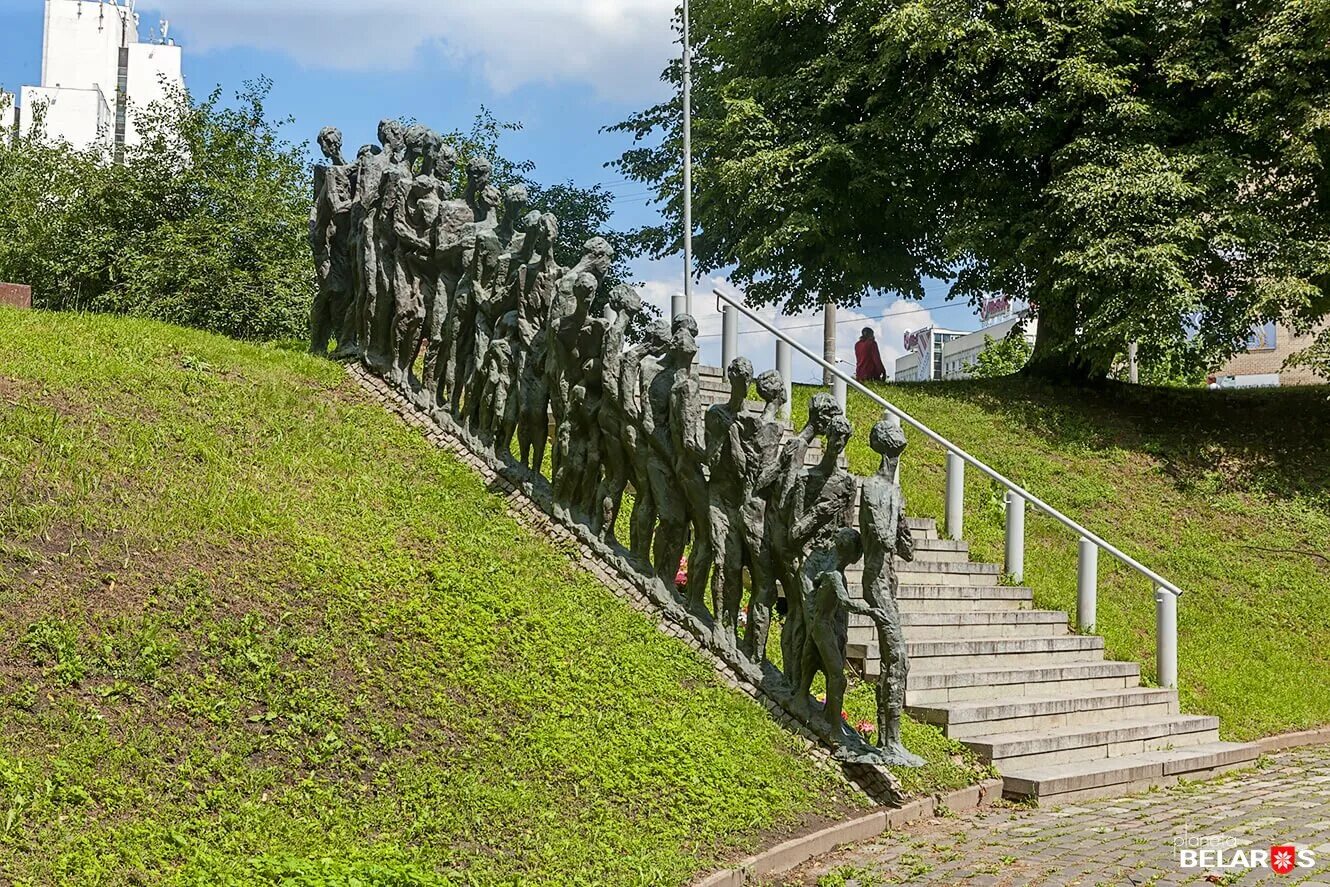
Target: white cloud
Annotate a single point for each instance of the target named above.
(619, 47)
(759, 345)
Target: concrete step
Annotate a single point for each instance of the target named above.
(935, 544)
(926, 555)
(994, 683)
(926, 551)
(964, 720)
(1114, 777)
(923, 527)
(923, 626)
(946, 573)
(972, 598)
(958, 653)
(1089, 742)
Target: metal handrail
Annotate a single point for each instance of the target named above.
(950, 447)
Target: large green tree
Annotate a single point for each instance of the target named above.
(1149, 170)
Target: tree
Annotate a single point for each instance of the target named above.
(204, 224)
(1143, 170)
(1002, 357)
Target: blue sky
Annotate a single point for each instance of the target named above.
(563, 68)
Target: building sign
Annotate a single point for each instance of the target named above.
(921, 343)
(995, 310)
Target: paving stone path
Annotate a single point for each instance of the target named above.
(1127, 841)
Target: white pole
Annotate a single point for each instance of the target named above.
(1015, 549)
(687, 166)
(1166, 638)
(729, 337)
(1133, 367)
(1087, 586)
(955, 496)
(828, 340)
(839, 392)
(785, 366)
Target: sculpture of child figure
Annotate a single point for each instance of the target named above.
(886, 536)
(827, 621)
(495, 415)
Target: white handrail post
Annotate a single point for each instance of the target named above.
(729, 336)
(1166, 638)
(1087, 586)
(955, 496)
(838, 391)
(1015, 559)
(784, 366)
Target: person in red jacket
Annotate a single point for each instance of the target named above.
(867, 359)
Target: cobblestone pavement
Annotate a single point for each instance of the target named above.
(1128, 841)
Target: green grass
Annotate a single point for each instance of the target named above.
(1227, 494)
(255, 630)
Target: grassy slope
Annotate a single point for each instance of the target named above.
(244, 613)
(1192, 483)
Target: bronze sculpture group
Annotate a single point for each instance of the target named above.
(460, 304)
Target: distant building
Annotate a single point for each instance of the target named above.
(96, 74)
(960, 355)
(936, 354)
(8, 115)
(1262, 364)
(923, 360)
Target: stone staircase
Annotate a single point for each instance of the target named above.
(1058, 721)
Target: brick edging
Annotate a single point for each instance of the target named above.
(797, 851)
(1282, 741)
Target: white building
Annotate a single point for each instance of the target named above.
(8, 115)
(949, 354)
(96, 74)
(961, 354)
(923, 360)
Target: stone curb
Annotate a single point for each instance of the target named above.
(1282, 741)
(797, 851)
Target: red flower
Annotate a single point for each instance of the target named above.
(681, 577)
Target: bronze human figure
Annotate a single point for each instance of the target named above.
(762, 437)
(688, 439)
(331, 242)
(727, 455)
(640, 364)
(612, 416)
(886, 536)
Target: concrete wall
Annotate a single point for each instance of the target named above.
(153, 69)
(907, 368)
(82, 117)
